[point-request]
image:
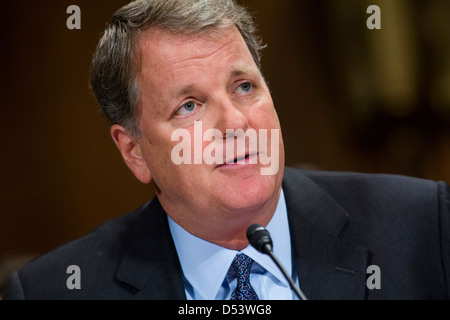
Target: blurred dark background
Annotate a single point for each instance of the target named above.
(348, 98)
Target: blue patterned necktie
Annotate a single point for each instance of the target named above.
(244, 291)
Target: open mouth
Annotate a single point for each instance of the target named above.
(241, 160)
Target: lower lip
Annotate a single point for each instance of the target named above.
(240, 163)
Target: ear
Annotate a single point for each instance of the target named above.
(131, 152)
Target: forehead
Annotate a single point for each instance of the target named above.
(161, 51)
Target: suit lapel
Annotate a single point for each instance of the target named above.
(327, 267)
(150, 267)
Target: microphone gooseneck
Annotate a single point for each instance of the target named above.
(260, 239)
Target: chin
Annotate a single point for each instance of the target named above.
(251, 194)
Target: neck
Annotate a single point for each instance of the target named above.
(228, 229)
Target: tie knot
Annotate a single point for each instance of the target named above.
(242, 264)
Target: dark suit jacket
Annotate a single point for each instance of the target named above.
(340, 224)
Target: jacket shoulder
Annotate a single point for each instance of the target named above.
(96, 254)
(402, 221)
(368, 185)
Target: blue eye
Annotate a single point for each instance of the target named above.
(244, 88)
(186, 108)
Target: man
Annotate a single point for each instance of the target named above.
(167, 72)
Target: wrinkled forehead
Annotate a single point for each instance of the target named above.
(160, 46)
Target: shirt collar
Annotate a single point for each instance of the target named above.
(205, 264)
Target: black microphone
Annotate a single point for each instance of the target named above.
(260, 239)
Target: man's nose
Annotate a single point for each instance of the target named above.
(230, 116)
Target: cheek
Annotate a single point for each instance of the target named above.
(156, 149)
(263, 115)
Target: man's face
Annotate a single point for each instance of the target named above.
(213, 79)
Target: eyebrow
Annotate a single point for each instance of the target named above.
(184, 91)
(240, 72)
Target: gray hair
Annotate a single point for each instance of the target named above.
(115, 62)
